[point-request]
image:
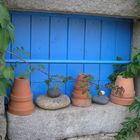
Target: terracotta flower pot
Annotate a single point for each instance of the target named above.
(127, 97)
(81, 102)
(81, 90)
(80, 95)
(21, 98)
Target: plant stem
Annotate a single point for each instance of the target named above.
(29, 64)
(40, 70)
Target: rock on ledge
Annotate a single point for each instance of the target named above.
(65, 123)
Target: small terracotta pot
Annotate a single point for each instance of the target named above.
(81, 102)
(127, 97)
(21, 98)
(79, 83)
(80, 95)
(81, 90)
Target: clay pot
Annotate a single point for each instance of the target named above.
(21, 98)
(80, 95)
(81, 102)
(127, 97)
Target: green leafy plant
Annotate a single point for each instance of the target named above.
(129, 70)
(132, 68)
(86, 81)
(138, 1)
(6, 36)
(58, 79)
(118, 68)
(131, 125)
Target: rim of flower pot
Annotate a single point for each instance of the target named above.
(120, 76)
(19, 99)
(21, 112)
(81, 96)
(121, 101)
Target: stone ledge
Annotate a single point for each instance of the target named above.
(65, 123)
(2, 127)
(96, 137)
(2, 110)
(121, 8)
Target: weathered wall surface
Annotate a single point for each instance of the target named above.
(2, 119)
(121, 8)
(136, 43)
(96, 137)
(68, 123)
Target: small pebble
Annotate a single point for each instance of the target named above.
(102, 100)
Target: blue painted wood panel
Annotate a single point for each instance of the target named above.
(39, 50)
(75, 49)
(58, 47)
(92, 50)
(22, 39)
(71, 37)
(123, 39)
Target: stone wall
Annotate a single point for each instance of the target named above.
(120, 8)
(105, 136)
(2, 119)
(71, 123)
(136, 43)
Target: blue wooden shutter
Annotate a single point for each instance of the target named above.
(70, 38)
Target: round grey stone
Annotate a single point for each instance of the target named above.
(49, 103)
(53, 93)
(100, 99)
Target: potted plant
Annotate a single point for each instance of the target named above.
(53, 85)
(81, 95)
(54, 99)
(123, 79)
